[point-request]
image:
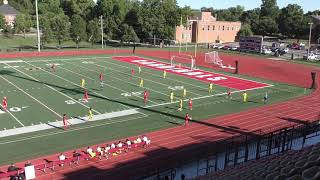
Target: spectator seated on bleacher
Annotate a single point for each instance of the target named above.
(61, 158)
(137, 142)
(12, 167)
(128, 143)
(146, 141)
(27, 164)
(90, 152)
(107, 151)
(99, 152)
(120, 147)
(76, 156)
(113, 146)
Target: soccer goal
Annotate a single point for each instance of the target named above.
(213, 57)
(177, 60)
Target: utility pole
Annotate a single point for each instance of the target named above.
(101, 22)
(309, 39)
(38, 30)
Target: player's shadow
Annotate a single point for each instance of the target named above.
(71, 91)
(6, 72)
(174, 123)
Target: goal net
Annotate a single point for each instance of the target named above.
(177, 60)
(213, 57)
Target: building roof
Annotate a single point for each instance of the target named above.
(7, 9)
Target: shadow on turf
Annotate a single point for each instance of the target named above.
(80, 91)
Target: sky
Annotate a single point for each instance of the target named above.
(307, 5)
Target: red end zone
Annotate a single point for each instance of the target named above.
(217, 79)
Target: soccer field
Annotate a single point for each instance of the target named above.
(38, 97)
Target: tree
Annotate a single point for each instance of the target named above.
(291, 21)
(23, 23)
(268, 15)
(94, 31)
(78, 29)
(128, 34)
(45, 25)
(267, 25)
(23, 6)
(245, 30)
(79, 7)
(269, 8)
(60, 26)
(230, 14)
(2, 21)
(251, 17)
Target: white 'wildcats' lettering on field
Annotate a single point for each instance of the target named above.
(206, 76)
(217, 79)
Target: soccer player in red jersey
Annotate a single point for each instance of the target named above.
(66, 123)
(4, 103)
(101, 80)
(186, 120)
(145, 97)
(229, 93)
(190, 104)
(132, 73)
(86, 96)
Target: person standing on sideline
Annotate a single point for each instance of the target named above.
(245, 96)
(141, 82)
(229, 94)
(86, 96)
(180, 105)
(184, 94)
(265, 98)
(83, 82)
(186, 120)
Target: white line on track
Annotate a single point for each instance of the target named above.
(54, 88)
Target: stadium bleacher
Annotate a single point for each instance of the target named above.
(303, 164)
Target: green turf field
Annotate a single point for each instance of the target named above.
(37, 99)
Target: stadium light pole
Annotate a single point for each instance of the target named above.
(101, 22)
(309, 39)
(195, 49)
(38, 30)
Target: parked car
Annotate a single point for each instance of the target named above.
(235, 48)
(311, 57)
(214, 46)
(226, 47)
(266, 51)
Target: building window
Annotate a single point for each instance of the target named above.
(232, 28)
(208, 28)
(202, 28)
(222, 28)
(213, 28)
(190, 27)
(228, 28)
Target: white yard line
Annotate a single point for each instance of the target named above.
(74, 129)
(75, 85)
(104, 84)
(54, 88)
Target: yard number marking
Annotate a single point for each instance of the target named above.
(175, 88)
(131, 94)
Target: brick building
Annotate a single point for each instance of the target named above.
(8, 12)
(204, 28)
